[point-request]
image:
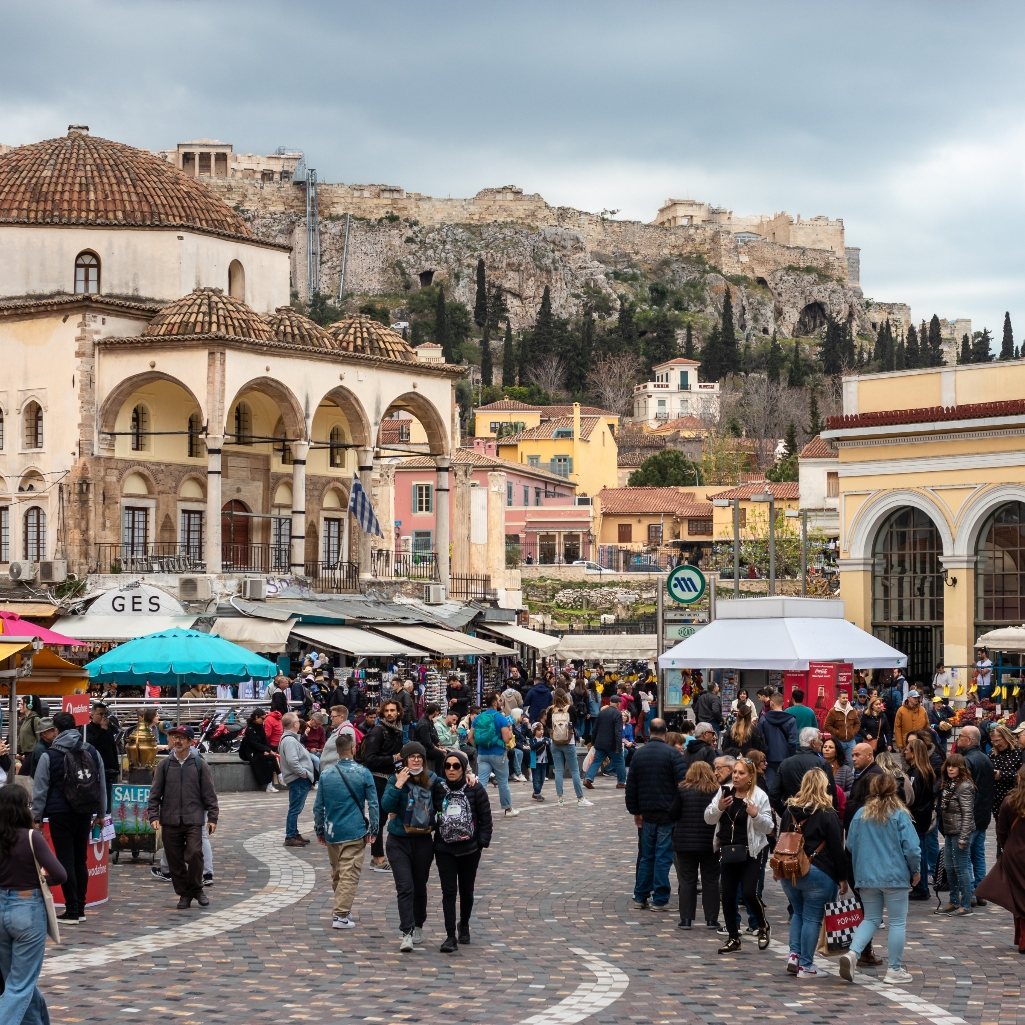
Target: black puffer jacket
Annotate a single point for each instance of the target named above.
(699, 751)
(924, 801)
(708, 708)
(608, 730)
(692, 834)
(981, 769)
(791, 775)
(656, 772)
(382, 747)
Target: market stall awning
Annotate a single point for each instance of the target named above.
(544, 644)
(52, 674)
(355, 641)
(11, 623)
(120, 628)
(610, 646)
(11, 648)
(1006, 638)
(782, 644)
(444, 642)
(254, 634)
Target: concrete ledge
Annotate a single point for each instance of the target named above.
(231, 774)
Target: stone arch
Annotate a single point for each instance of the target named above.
(288, 405)
(187, 486)
(355, 414)
(120, 394)
(979, 508)
(31, 479)
(811, 320)
(430, 419)
(237, 280)
(142, 472)
(871, 516)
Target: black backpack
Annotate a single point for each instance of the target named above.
(82, 789)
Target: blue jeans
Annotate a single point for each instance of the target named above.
(653, 865)
(517, 761)
(538, 775)
(977, 855)
(959, 872)
(808, 897)
(896, 901)
(499, 765)
(848, 747)
(298, 791)
(615, 762)
(930, 851)
(22, 943)
(563, 754)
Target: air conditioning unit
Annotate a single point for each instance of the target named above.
(53, 572)
(23, 570)
(195, 589)
(434, 594)
(254, 588)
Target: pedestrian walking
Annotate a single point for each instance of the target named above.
(957, 814)
(910, 716)
(693, 848)
(886, 856)
(491, 733)
(409, 805)
(1007, 760)
(343, 826)
(1005, 882)
(981, 769)
(835, 756)
(703, 748)
(842, 723)
(22, 910)
(462, 833)
(780, 733)
(540, 757)
(743, 736)
(562, 729)
(790, 776)
(608, 743)
(426, 734)
(298, 774)
(339, 724)
(381, 755)
(923, 778)
(181, 799)
(99, 734)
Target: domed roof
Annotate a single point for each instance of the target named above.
(208, 311)
(81, 179)
(363, 335)
(287, 324)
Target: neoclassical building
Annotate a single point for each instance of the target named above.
(931, 481)
(162, 407)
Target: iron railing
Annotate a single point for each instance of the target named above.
(472, 587)
(535, 550)
(333, 577)
(152, 557)
(389, 565)
(255, 558)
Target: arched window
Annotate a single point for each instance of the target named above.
(243, 424)
(999, 580)
(237, 281)
(87, 274)
(33, 425)
(140, 429)
(35, 534)
(195, 436)
(337, 450)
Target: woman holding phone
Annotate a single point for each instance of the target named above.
(743, 819)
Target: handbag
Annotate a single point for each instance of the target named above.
(841, 919)
(874, 742)
(733, 853)
(52, 925)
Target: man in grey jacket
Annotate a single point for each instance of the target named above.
(181, 797)
(296, 774)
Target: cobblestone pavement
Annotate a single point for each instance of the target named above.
(555, 940)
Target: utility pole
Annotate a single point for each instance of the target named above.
(768, 496)
(723, 503)
(803, 514)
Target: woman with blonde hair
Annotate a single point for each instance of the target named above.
(693, 849)
(743, 735)
(887, 856)
(1005, 882)
(810, 812)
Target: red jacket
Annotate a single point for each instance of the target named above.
(272, 727)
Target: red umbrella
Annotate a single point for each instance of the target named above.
(13, 625)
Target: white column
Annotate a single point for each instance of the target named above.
(298, 544)
(442, 531)
(213, 502)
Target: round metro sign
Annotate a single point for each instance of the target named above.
(686, 584)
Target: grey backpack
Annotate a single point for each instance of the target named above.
(455, 820)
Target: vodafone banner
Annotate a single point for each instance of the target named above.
(78, 706)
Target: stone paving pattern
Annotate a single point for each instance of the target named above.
(555, 880)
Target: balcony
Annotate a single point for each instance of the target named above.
(156, 557)
(388, 565)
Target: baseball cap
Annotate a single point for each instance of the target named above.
(862, 693)
(187, 731)
(937, 697)
(913, 694)
(1019, 729)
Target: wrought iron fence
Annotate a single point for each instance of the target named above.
(404, 565)
(153, 557)
(470, 587)
(544, 550)
(256, 558)
(333, 577)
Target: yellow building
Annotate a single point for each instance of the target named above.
(932, 507)
(754, 515)
(580, 448)
(510, 416)
(635, 517)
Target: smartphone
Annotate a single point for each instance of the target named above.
(727, 790)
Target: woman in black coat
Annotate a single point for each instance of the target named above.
(462, 832)
(875, 726)
(258, 752)
(693, 847)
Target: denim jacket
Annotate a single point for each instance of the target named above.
(886, 855)
(336, 816)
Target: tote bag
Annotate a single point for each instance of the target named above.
(841, 919)
(52, 926)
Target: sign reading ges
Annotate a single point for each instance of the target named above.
(136, 599)
(686, 584)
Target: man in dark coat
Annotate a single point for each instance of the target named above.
(780, 731)
(981, 768)
(98, 733)
(426, 733)
(656, 772)
(703, 747)
(608, 743)
(380, 752)
(538, 698)
(708, 706)
(792, 770)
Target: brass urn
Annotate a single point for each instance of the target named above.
(141, 747)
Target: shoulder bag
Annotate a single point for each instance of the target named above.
(352, 794)
(733, 853)
(874, 742)
(52, 926)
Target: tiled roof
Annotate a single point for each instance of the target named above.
(927, 414)
(684, 423)
(620, 501)
(208, 311)
(547, 430)
(550, 411)
(485, 462)
(786, 489)
(362, 334)
(81, 179)
(289, 325)
(507, 406)
(391, 430)
(547, 412)
(26, 304)
(679, 361)
(818, 449)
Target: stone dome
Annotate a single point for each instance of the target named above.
(287, 324)
(208, 311)
(363, 335)
(81, 179)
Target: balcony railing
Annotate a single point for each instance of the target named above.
(389, 565)
(333, 577)
(534, 550)
(255, 558)
(153, 557)
(472, 587)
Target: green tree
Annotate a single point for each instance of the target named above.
(581, 355)
(728, 337)
(508, 358)
(1007, 345)
(790, 439)
(322, 311)
(711, 356)
(375, 311)
(935, 343)
(795, 368)
(981, 352)
(498, 308)
(814, 419)
(911, 349)
(626, 329)
(831, 350)
(441, 326)
(900, 355)
(459, 325)
(966, 350)
(775, 361)
(480, 305)
(688, 343)
(785, 470)
(542, 338)
(669, 468)
(487, 366)
(660, 345)
(658, 294)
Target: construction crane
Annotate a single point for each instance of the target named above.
(307, 177)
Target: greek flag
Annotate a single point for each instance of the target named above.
(361, 507)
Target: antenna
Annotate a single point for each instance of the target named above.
(307, 176)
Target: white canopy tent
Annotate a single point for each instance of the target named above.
(354, 640)
(1004, 638)
(264, 635)
(610, 646)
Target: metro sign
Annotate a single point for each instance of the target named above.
(686, 585)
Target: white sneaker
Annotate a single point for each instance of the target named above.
(342, 922)
(561, 802)
(418, 936)
(583, 802)
(898, 978)
(848, 966)
(270, 789)
(810, 973)
(520, 778)
(511, 812)
(407, 943)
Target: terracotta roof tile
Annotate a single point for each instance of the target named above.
(817, 448)
(367, 336)
(208, 311)
(784, 490)
(547, 412)
(684, 423)
(507, 406)
(927, 414)
(288, 325)
(619, 501)
(678, 361)
(483, 461)
(546, 431)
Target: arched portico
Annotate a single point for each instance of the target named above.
(113, 406)
(438, 439)
(861, 534)
(289, 408)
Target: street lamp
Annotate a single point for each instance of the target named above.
(768, 496)
(803, 514)
(725, 503)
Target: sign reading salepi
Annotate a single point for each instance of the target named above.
(686, 584)
(136, 599)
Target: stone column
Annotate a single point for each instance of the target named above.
(462, 472)
(441, 518)
(496, 529)
(365, 469)
(213, 502)
(300, 449)
(385, 504)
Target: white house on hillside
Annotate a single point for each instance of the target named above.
(675, 392)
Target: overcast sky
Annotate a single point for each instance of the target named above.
(905, 119)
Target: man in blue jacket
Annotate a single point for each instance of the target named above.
(780, 731)
(538, 698)
(343, 827)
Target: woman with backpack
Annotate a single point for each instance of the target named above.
(463, 831)
(409, 805)
(560, 727)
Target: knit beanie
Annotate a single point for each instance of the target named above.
(413, 748)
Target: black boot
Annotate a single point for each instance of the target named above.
(450, 946)
(464, 933)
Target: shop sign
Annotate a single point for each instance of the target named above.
(686, 584)
(677, 632)
(135, 599)
(78, 706)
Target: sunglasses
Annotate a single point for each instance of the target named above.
(453, 765)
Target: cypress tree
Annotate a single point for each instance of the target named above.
(900, 361)
(480, 305)
(774, 363)
(441, 326)
(1007, 345)
(711, 356)
(848, 359)
(911, 350)
(831, 352)
(814, 420)
(966, 350)
(487, 366)
(585, 354)
(728, 338)
(508, 359)
(626, 329)
(981, 347)
(746, 359)
(660, 345)
(1016, 356)
(935, 343)
(790, 440)
(543, 342)
(795, 370)
(688, 344)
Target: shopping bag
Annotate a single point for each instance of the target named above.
(841, 918)
(588, 759)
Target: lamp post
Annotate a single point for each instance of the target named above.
(725, 503)
(767, 496)
(803, 514)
